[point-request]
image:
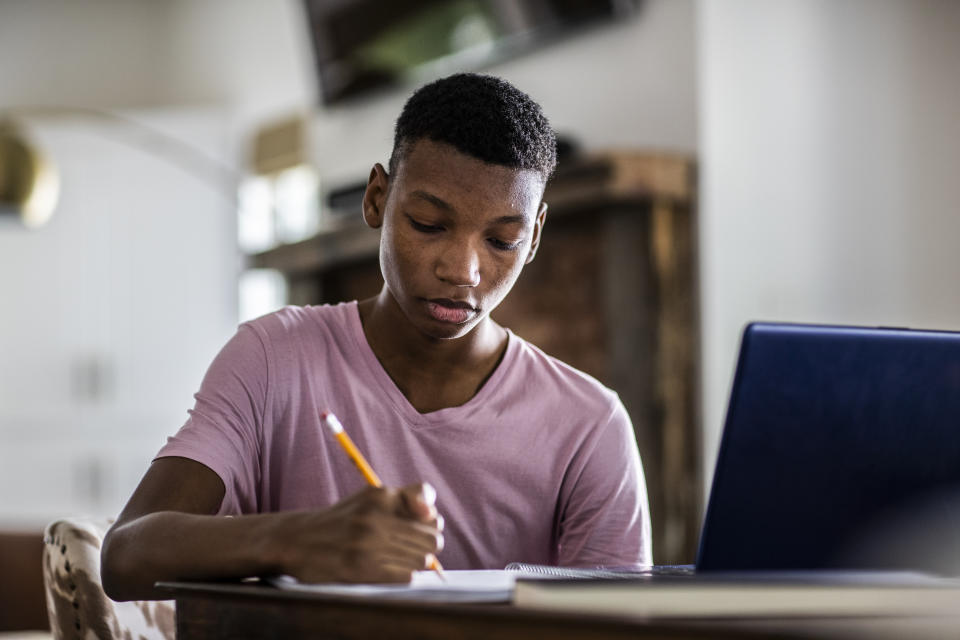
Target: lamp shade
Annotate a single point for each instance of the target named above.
(29, 184)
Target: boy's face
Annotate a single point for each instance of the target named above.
(455, 234)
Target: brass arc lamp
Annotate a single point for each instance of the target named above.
(29, 183)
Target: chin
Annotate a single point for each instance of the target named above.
(448, 331)
(434, 328)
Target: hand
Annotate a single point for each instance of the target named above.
(375, 535)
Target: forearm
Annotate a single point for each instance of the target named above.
(170, 545)
(376, 535)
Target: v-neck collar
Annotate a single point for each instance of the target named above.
(395, 396)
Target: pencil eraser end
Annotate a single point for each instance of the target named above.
(331, 422)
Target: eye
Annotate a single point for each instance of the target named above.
(500, 245)
(424, 228)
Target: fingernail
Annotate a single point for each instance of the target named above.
(439, 522)
(428, 495)
(440, 542)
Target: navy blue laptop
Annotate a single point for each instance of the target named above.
(841, 449)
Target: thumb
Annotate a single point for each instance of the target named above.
(418, 501)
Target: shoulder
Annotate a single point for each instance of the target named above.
(293, 323)
(560, 384)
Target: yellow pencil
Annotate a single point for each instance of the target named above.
(333, 424)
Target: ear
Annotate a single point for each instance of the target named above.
(375, 197)
(537, 232)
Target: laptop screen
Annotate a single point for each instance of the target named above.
(841, 449)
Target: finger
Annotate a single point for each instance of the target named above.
(413, 502)
(371, 499)
(437, 522)
(393, 559)
(368, 564)
(421, 538)
(397, 573)
(418, 501)
(373, 528)
(384, 570)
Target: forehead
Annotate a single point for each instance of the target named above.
(464, 181)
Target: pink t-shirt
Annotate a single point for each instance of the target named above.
(540, 466)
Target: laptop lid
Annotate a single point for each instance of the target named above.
(841, 449)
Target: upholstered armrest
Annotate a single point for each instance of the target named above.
(76, 602)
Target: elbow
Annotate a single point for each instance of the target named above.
(114, 574)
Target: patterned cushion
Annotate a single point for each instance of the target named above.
(77, 605)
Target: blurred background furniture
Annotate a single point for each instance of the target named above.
(22, 605)
(612, 292)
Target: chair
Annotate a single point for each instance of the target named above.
(76, 602)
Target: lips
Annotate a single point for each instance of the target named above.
(453, 311)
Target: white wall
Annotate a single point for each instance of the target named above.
(627, 85)
(830, 144)
(93, 53)
(253, 55)
(251, 58)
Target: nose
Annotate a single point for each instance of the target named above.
(459, 265)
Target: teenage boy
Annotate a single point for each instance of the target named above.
(526, 458)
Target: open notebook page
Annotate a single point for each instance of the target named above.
(458, 586)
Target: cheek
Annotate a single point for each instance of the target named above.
(388, 259)
(398, 258)
(505, 273)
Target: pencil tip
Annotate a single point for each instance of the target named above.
(438, 569)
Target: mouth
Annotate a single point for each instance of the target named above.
(452, 311)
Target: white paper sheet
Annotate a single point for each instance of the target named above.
(460, 586)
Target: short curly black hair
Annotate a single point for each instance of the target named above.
(482, 116)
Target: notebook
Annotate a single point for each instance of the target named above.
(821, 594)
(426, 586)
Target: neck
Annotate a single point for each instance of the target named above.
(420, 365)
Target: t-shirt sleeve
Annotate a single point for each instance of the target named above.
(224, 427)
(605, 519)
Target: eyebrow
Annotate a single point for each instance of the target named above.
(440, 203)
(522, 219)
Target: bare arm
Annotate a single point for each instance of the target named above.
(168, 531)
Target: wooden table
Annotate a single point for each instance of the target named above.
(207, 610)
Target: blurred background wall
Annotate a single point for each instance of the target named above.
(110, 313)
(825, 132)
(829, 149)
